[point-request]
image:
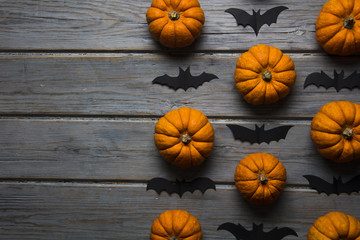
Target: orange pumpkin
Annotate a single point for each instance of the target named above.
(176, 225)
(335, 226)
(260, 178)
(264, 75)
(175, 23)
(184, 137)
(338, 27)
(335, 130)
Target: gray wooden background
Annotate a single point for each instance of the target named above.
(78, 110)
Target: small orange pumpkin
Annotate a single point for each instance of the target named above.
(184, 137)
(264, 75)
(338, 27)
(335, 130)
(176, 225)
(334, 226)
(175, 23)
(260, 178)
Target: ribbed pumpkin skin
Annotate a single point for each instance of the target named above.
(335, 226)
(250, 76)
(247, 178)
(328, 127)
(184, 137)
(331, 32)
(176, 225)
(176, 33)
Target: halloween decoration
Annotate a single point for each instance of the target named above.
(175, 24)
(258, 135)
(256, 20)
(184, 80)
(334, 226)
(336, 187)
(176, 225)
(180, 187)
(260, 178)
(338, 82)
(338, 27)
(264, 75)
(257, 233)
(335, 130)
(184, 137)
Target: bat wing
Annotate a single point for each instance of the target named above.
(353, 185)
(270, 16)
(274, 134)
(320, 185)
(166, 80)
(196, 81)
(237, 230)
(352, 81)
(279, 233)
(319, 79)
(201, 183)
(162, 184)
(242, 133)
(242, 17)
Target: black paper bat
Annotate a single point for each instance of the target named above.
(257, 233)
(184, 80)
(180, 187)
(338, 82)
(258, 135)
(256, 20)
(337, 186)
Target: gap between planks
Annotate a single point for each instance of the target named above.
(124, 184)
(152, 118)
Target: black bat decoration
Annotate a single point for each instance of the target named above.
(338, 82)
(259, 135)
(336, 187)
(256, 20)
(184, 80)
(180, 187)
(257, 233)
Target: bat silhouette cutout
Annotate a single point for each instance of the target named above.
(180, 187)
(257, 233)
(336, 187)
(338, 82)
(258, 135)
(256, 20)
(184, 80)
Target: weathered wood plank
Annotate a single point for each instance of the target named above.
(121, 84)
(72, 211)
(121, 25)
(123, 149)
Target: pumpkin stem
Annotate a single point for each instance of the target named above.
(173, 238)
(263, 179)
(174, 15)
(185, 138)
(349, 23)
(347, 133)
(266, 76)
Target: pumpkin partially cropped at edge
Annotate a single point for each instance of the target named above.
(175, 23)
(335, 130)
(334, 226)
(264, 75)
(184, 137)
(260, 178)
(338, 27)
(176, 225)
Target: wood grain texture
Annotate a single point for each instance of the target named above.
(124, 149)
(72, 211)
(121, 25)
(121, 84)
